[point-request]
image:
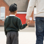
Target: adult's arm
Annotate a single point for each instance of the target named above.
(30, 8)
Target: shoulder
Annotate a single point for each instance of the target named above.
(18, 18)
(6, 18)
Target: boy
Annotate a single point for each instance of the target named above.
(12, 25)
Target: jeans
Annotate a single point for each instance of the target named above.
(39, 30)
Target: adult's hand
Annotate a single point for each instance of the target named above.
(27, 21)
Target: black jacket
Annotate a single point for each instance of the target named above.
(13, 23)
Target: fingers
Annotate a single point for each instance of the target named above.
(28, 21)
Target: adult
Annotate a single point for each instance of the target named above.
(39, 18)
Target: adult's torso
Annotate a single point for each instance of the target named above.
(40, 8)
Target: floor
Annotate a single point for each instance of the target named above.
(26, 36)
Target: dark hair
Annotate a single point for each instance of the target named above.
(13, 7)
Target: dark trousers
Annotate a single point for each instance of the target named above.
(39, 30)
(12, 38)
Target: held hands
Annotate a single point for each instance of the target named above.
(28, 21)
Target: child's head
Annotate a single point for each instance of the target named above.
(13, 8)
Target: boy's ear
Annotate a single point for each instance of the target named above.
(16, 11)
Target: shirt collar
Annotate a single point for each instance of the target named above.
(11, 15)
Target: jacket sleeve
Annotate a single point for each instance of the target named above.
(20, 26)
(5, 28)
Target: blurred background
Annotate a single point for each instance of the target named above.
(27, 35)
(22, 9)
